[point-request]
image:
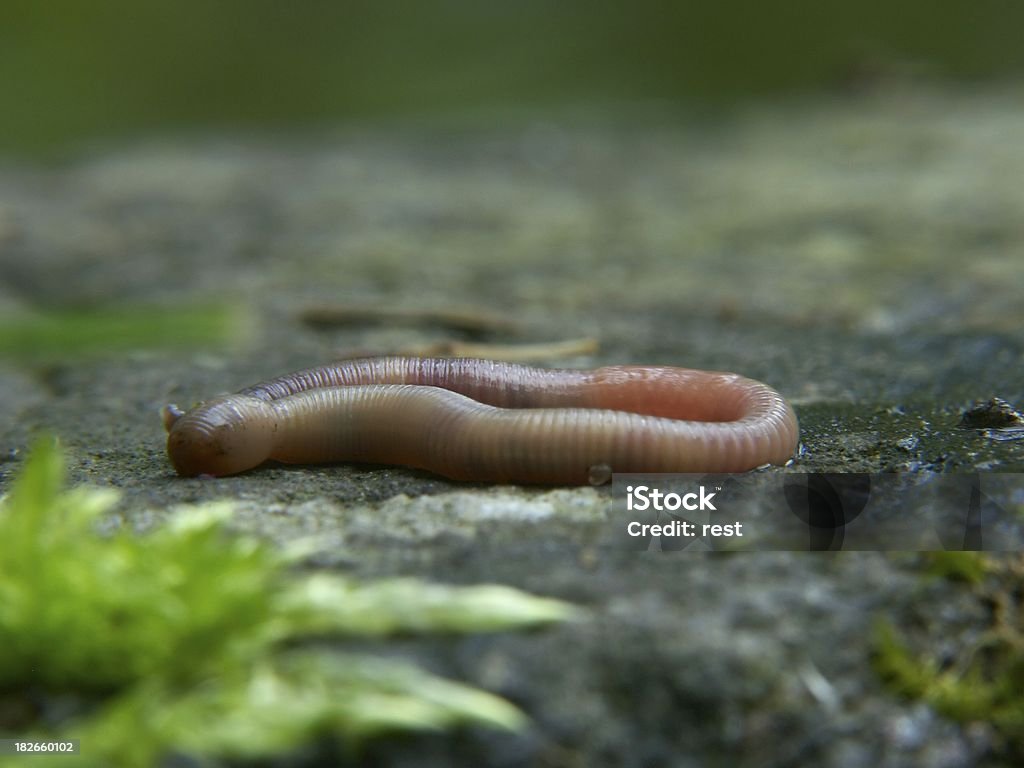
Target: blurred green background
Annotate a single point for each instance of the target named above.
(74, 71)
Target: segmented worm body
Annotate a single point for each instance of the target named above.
(489, 421)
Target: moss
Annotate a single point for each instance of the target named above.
(970, 567)
(185, 639)
(82, 333)
(984, 680)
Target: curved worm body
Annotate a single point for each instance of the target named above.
(489, 421)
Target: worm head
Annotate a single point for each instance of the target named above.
(223, 436)
(169, 414)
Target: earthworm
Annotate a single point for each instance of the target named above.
(482, 420)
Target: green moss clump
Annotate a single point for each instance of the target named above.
(985, 681)
(967, 566)
(184, 639)
(45, 337)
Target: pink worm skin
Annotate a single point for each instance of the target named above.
(490, 421)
